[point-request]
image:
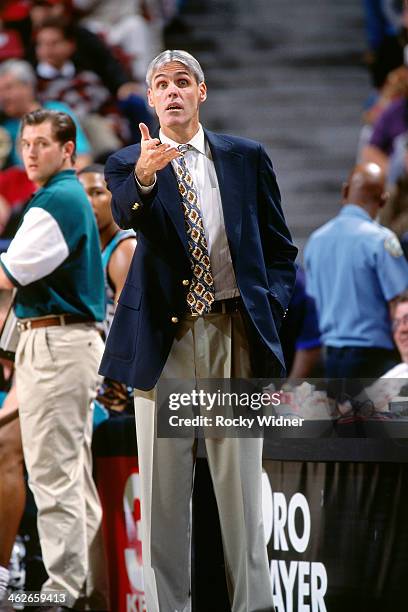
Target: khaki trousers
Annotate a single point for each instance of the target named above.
(214, 346)
(56, 376)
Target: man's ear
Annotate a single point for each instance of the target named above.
(150, 97)
(345, 191)
(202, 92)
(69, 148)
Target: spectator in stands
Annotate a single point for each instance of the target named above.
(391, 124)
(54, 261)
(390, 128)
(399, 315)
(383, 23)
(61, 77)
(18, 96)
(91, 53)
(354, 269)
(389, 137)
(12, 484)
(125, 25)
(390, 385)
(394, 88)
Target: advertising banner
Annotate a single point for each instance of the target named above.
(335, 531)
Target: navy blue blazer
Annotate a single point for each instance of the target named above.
(154, 295)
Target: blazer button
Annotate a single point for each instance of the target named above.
(186, 282)
(135, 206)
(174, 319)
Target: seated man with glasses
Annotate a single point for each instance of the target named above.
(399, 316)
(390, 387)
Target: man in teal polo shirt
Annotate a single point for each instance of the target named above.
(54, 262)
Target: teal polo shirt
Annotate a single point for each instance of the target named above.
(54, 259)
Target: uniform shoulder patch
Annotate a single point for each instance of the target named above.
(393, 246)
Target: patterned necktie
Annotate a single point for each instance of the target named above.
(201, 291)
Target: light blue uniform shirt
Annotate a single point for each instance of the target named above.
(354, 266)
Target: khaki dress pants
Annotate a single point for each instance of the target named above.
(56, 376)
(213, 346)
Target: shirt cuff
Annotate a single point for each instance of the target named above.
(143, 188)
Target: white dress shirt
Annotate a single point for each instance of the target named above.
(398, 371)
(47, 71)
(202, 169)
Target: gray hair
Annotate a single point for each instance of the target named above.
(175, 55)
(21, 70)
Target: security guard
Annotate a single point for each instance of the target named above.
(355, 268)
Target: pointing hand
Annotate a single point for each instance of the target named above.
(154, 156)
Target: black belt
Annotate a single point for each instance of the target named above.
(226, 306)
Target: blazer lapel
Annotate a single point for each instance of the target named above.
(170, 197)
(229, 167)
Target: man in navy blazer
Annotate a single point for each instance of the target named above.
(169, 323)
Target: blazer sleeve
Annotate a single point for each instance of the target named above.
(129, 206)
(278, 248)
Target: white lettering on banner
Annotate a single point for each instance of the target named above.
(297, 586)
(133, 556)
(288, 581)
(299, 543)
(135, 603)
(287, 598)
(279, 522)
(319, 574)
(303, 586)
(277, 590)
